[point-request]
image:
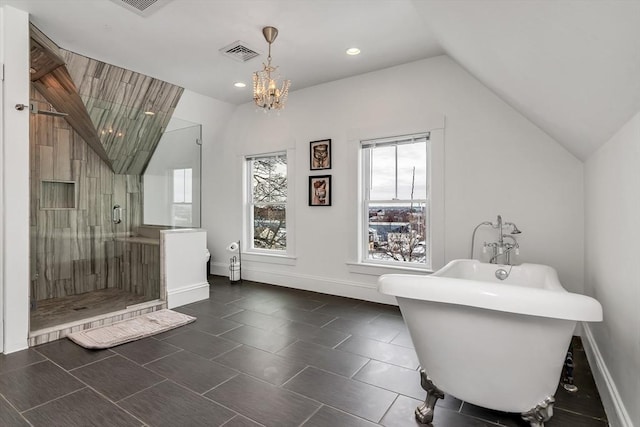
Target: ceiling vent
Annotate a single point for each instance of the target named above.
(239, 51)
(142, 7)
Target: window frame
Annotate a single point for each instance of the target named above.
(249, 204)
(366, 147)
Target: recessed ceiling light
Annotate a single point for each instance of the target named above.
(353, 51)
(240, 84)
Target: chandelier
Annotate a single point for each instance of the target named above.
(268, 93)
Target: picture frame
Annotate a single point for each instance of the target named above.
(320, 154)
(320, 190)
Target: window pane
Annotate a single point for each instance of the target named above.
(412, 157)
(269, 179)
(397, 232)
(409, 158)
(178, 185)
(269, 227)
(383, 173)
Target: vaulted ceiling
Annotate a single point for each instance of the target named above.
(572, 67)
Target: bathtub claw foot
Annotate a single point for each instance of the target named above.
(541, 413)
(424, 412)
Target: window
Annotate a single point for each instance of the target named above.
(395, 210)
(182, 207)
(267, 202)
(182, 185)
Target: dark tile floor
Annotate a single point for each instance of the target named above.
(257, 355)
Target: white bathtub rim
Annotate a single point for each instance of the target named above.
(547, 276)
(557, 304)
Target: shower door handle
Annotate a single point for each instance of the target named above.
(116, 214)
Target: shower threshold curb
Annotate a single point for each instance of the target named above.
(56, 332)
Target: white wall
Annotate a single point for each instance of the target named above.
(15, 170)
(612, 270)
(496, 162)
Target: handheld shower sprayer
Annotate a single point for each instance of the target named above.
(514, 228)
(473, 236)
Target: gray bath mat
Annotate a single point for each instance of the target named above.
(131, 329)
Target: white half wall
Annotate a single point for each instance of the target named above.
(14, 54)
(496, 162)
(184, 262)
(612, 270)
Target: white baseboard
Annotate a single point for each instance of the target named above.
(614, 407)
(187, 294)
(309, 283)
(219, 268)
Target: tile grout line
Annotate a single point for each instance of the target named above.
(337, 409)
(218, 385)
(28, 364)
(241, 416)
(116, 404)
(87, 364)
(559, 408)
(104, 396)
(311, 415)
(144, 365)
(389, 408)
(54, 399)
(225, 406)
(11, 405)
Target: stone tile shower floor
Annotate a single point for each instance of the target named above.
(257, 355)
(57, 311)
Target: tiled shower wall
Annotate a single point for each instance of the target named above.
(73, 248)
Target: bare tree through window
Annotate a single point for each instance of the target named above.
(268, 201)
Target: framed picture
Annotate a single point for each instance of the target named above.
(320, 154)
(320, 190)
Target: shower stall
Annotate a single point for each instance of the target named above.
(94, 128)
(91, 252)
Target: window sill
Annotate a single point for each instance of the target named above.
(378, 270)
(269, 258)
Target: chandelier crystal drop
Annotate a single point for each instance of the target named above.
(268, 92)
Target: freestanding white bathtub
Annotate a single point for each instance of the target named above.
(500, 344)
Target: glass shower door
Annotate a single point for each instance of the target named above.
(172, 178)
